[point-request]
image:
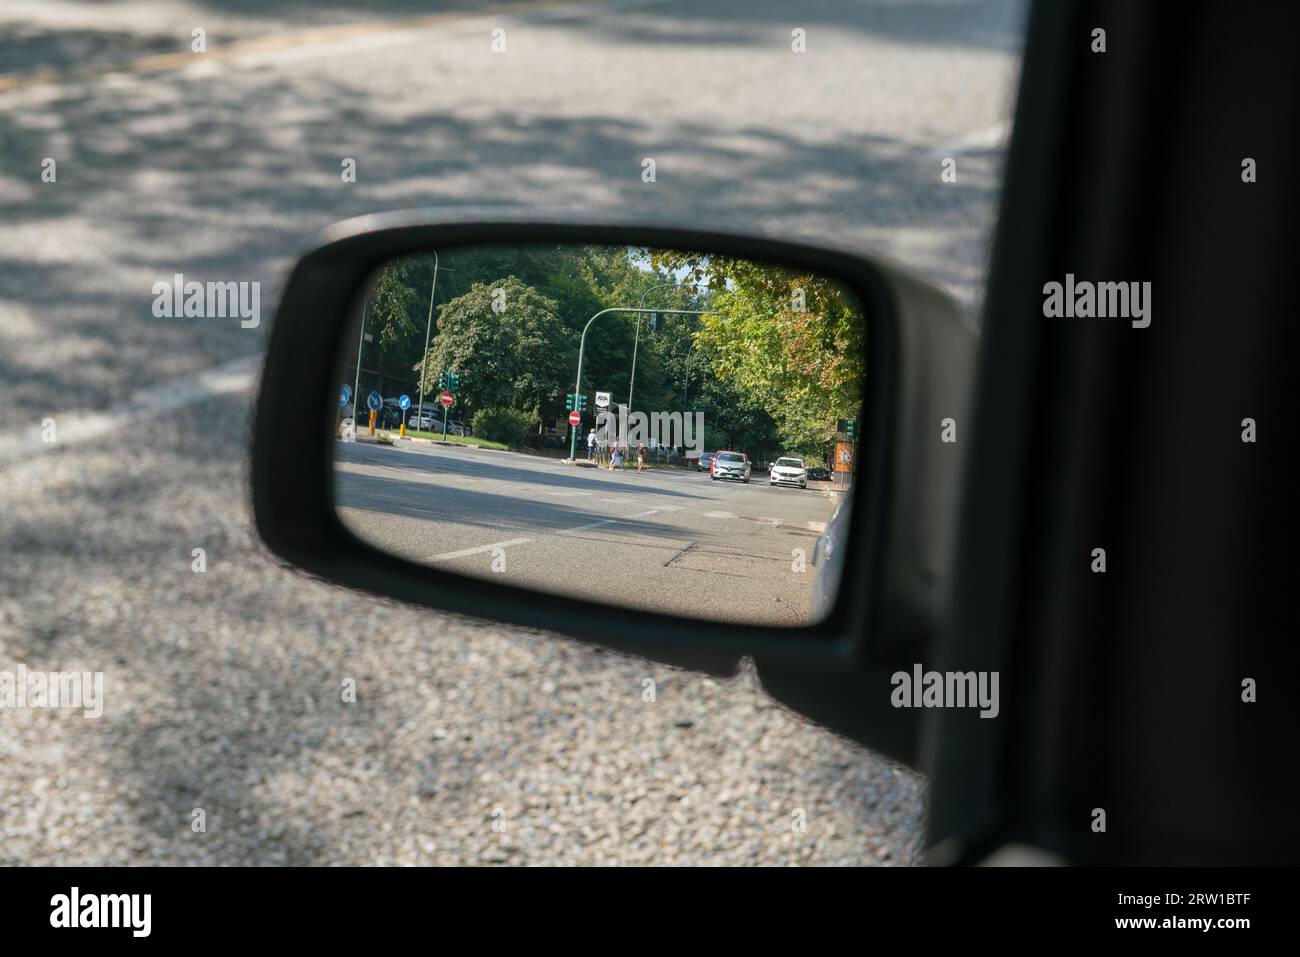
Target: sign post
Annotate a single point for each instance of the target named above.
(374, 402)
(403, 403)
(344, 395)
(446, 399)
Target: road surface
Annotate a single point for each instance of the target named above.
(665, 540)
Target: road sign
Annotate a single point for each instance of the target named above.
(602, 400)
(575, 418)
(375, 401)
(446, 398)
(404, 402)
(344, 394)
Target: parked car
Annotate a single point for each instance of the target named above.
(789, 471)
(730, 465)
(705, 462)
(421, 420)
(819, 474)
(388, 416)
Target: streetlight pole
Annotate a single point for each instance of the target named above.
(419, 412)
(582, 351)
(356, 383)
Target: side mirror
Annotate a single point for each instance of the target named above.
(684, 445)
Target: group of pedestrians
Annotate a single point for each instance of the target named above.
(615, 454)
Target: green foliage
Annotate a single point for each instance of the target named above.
(774, 364)
(791, 343)
(395, 319)
(499, 424)
(506, 342)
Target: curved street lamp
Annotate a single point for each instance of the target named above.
(582, 351)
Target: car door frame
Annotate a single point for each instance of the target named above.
(1127, 165)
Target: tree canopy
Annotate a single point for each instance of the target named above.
(775, 360)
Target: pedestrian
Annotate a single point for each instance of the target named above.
(615, 458)
(591, 445)
(640, 457)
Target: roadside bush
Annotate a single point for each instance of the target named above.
(501, 424)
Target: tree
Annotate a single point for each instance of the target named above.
(394, 320)
(506, 341)
(791, 343)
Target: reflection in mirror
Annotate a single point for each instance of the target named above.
(651, 429)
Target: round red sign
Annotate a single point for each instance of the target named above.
(446, 398)
(575, 418)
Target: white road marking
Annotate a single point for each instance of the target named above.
(816, 526)
(447, 556)
(73, 427)
(719, 514)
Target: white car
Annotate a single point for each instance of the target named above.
(422, 421)
(789, 471)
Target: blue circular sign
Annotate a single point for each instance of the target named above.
(404, 402)
(375, 401)
(344, 394)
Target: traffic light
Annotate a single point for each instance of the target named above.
(582, 403)
(568, 402)
(442, 381)
(453, 381)
(851, 428)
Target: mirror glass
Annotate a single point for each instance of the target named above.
(663, 430)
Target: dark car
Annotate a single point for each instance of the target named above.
(705, 462)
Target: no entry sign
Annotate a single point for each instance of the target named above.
(575, 418)
(446, 398)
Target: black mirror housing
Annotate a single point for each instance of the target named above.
(893, 588)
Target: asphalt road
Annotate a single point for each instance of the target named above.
(663, 540)
(223, 685)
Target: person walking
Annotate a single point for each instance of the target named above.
(615, 458)
(591, 445)
(640, 457)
